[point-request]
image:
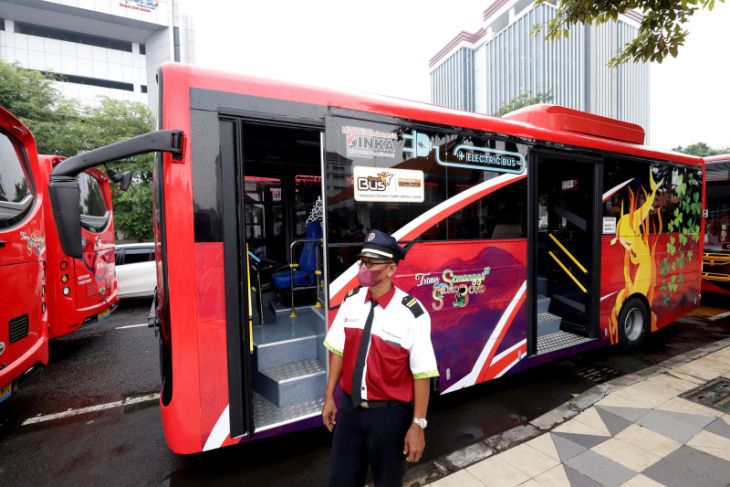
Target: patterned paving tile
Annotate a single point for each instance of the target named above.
(648, 440)
(631, 414)
(678, 426)
(529, 460)
(566, 449)
(690, 467)
(642, 481)
(462, 478)
(627, 454)
(577, 479)
(719, 427)
(711, 443)
(588, 441)
(614, 423)
(601, 469)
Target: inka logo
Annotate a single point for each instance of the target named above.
(365, 142)
(380, 182)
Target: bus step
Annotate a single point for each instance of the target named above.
(543, 304)
(283, 351)
(547, 323)
(292, 382)
(541, 286)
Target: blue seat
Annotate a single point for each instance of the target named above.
(304, 275)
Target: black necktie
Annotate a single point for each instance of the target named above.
(360, 364)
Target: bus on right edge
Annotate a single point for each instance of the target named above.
(716, 258)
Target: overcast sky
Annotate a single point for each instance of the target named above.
(384, 47)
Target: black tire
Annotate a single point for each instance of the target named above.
(633, 323)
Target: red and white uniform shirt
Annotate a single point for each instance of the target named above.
(400, 346)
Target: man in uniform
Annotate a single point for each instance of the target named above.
(383, 359)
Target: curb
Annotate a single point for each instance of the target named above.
(464, 457)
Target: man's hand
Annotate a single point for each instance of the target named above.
(415, 443)
(329, 413)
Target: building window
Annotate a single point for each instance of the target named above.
(142, 49)
(2, 24)
(65, 35)
(143, 88)
(176, 39)
(85, 80)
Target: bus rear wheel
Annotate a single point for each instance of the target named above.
(633, 323)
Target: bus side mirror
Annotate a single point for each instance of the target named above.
(126, 181)
(65, 194)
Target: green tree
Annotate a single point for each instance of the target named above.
(701, 149)
(62, 126)
(661, 32)
(523, 100)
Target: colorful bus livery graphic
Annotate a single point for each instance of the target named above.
(449, 283)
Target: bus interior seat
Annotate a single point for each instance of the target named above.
(304, 275)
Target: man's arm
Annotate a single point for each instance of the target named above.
(329, 409)
(415, 441)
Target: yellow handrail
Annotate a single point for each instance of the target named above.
(713, 276)
(250, 308)
(562, 266)
(711, 258)
(585, 271)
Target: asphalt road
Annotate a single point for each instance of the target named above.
(113, 360)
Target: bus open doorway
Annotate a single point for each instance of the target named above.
(566, 246)
(281, 239)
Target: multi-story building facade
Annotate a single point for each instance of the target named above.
(485, 70)
(97, 48)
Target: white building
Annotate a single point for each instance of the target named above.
(98, 48)
(483, 71)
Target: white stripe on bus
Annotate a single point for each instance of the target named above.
(470, 378)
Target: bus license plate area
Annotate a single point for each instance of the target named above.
(104, 314)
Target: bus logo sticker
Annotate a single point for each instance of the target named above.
(36, 245)
(466, 155)
(486, 159)
(449, 283)
(388, 185)
(366, 142)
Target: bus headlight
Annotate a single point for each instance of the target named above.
(64, 278)
(66, 291)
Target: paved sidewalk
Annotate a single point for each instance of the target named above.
(633, 431)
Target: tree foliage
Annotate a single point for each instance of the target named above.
(661, 32)
(523, 100)
(64, 127)
(701, 149)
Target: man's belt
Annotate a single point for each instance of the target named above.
(388, 403)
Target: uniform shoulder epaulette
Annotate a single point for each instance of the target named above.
(412, 304)
(353, 291)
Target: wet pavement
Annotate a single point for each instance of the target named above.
(104, 363)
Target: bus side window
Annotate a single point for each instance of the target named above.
(16, 196)
(94, 213)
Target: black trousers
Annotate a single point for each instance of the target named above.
(373, 436)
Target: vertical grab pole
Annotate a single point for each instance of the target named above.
(292, 265)
(250, 306)
(318, 274)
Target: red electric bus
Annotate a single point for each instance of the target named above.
(716, 264)
(23, 309)
(530, 237)
(82, 290)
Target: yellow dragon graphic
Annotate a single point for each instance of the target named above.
(632, 232)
